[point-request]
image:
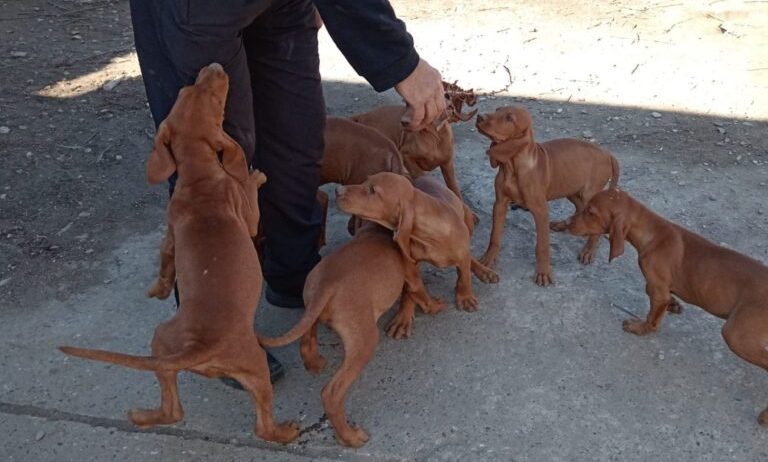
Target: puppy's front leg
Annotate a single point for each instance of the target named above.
(414, 287)
(540, 211)
(465, 298)
(497, 227)
(167, 277)
(660, 301)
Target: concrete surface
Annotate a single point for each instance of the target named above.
(534, 375)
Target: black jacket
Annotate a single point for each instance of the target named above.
(371, 38)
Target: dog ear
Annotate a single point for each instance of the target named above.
(233, 157)
(404, 229)
(161, 163)
(617, 234)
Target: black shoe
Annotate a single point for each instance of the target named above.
(276, 372)
(284, 300)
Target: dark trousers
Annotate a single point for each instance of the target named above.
(275, 107)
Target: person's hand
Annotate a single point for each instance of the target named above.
(423, 94)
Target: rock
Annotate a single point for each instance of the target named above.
(39, 435)
(587, 134)
(655, 115)
(111, 84)
(721, 130)
(4, 130)
(18, 54)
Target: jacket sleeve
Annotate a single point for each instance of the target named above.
(371, 38)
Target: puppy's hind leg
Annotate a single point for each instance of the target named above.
(170, 410)
(359, 345)
(314, 362)
(252, 372)
(745, 334)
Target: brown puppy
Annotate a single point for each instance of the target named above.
(208, 250)
(423, 150)
(348, 291)
(430, 223)
(352, 153)
(530, 174)
(676, 261)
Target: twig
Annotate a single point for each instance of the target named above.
(510, 80)
(101, 154)
(625, 310)
(635, 68)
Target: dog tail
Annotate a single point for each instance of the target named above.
(311, 313)
(614, 182)
(177, 361)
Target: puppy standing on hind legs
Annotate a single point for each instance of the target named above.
(530, 174)
(678, 262)
(212, 216)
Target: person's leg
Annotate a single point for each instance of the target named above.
(289, 110)
(173, 43)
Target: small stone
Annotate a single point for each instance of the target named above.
(29, 154)
(712, 198)
(118, 157)
(559, 110)
(5, 281)
(18, 54)
(84, 214)
(721, 130)
(111, 84)
(655, 115)
(39, 435)
(586, 134)
(87, 150)
(748, 124)
(4, 130)
(89, 251)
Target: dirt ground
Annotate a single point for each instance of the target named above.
(678, 90)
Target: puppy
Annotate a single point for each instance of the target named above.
(348, 291)
(678, 262)
(431, 224)
(208, 251)
(530, 174)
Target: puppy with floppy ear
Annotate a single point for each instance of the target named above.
(430, 224)
(531, 174)
(679, 263)
(212, 216)
(161, 164)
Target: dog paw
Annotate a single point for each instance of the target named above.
(762, 419)
(466, 303)
(436, 305)
(400, 327)
(354, 437)
(674, 307)
(487, 275)
(558, 226)
(146, 418)
(544, 278)
(315, 365)
(161, 289)
(281, 433)
(587, 256)
(637, 327)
